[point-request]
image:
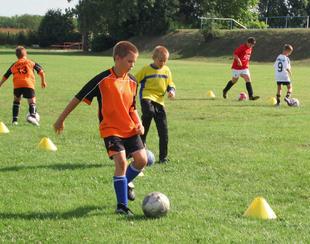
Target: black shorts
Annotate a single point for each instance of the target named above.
(25, 92)
(283, 83)
(115, 144)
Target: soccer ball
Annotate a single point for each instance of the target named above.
(294, 102)
(155, 205)
(37, 116)
(242, 96)
(150, 158)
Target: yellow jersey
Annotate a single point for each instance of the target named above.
(154, 83)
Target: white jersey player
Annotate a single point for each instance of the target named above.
(283, 73)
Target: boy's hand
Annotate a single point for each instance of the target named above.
(140, 129)
(59, 126)
(43, 84)
(171, 94)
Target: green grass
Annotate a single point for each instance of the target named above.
(223, 154)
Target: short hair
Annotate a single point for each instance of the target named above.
(122, 49)
(19, 51)
(251, 40)
(287, 47)
(160, 51)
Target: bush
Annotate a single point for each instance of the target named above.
(211, 32)
(257, 25)
(102, 42)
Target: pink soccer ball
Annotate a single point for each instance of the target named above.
(242, 96)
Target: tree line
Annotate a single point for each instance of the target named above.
(100, 23)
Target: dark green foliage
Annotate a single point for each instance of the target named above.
(25, 21)
(102, 42)
(56, 28)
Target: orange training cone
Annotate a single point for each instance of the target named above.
(3, 128)
(210, 94)
(259, 208)
(47, 144)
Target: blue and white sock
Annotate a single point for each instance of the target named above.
(121, 191)
(131, 173)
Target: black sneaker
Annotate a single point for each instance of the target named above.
(254, 98)
(131, 192)
(163, 161)
(224, 94)
(122, 209)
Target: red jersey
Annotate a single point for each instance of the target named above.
(244, 53)
(116, 100)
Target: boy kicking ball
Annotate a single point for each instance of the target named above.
(283, 74)
(24, 84)
(240, 68)
(119, 122)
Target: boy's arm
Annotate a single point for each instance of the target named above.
(41, 73)
(236, 57)
(136, 118)
(42, 76)
(171, 86)
(289, 72)
(59, 124)
(6, 76)
(3, 80)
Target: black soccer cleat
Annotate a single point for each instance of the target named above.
(224, 94)
(131, 192)
(163, 161)
(254, 98)
(122, 209)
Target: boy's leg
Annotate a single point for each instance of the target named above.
(162, 129)
(288, 94)
(249, 87)
(15, 109)
(32, 107)
(147, 116)
(229, 85)
(135, 148)
(121, 184)
(116, 151)
(279, 94)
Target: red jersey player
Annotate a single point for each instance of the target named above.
(240, 67)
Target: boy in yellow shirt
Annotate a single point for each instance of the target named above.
(155, 81)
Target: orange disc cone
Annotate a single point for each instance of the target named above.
(259, 208)
(3, 128)
(47, 144)
(210, 94)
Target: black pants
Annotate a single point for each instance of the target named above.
(154, 110)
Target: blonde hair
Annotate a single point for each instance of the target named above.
(160, 52)
(288, 47)
(123, 48)
(19, 51)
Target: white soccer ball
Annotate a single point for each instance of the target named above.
(155, 205)
(37, 116)
(294, 102)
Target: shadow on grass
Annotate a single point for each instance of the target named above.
(59, 167)
(80, 212)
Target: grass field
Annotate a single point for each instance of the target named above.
(223, 154)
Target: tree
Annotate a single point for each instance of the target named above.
(189, 11)
(55, 28)
(91, 19)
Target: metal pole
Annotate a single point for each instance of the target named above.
(286, 22)
(266, 21)
(307, 21)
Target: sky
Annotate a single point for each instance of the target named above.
(33, 7)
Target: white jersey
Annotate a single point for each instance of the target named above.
(281, 66)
